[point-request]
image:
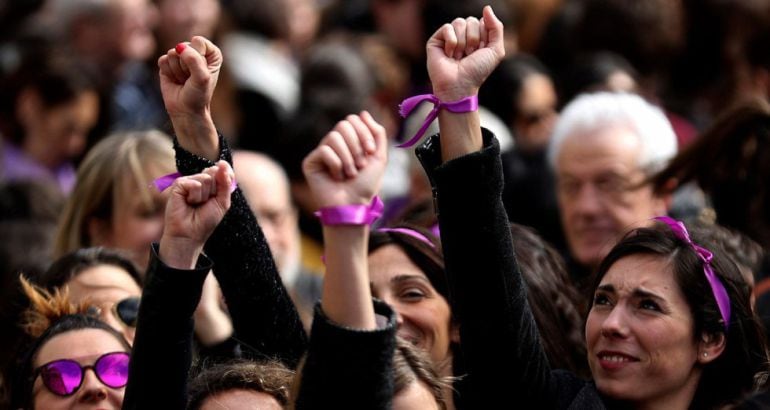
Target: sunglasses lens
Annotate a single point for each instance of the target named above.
(128, 311)
(112, 369)
(62, 377)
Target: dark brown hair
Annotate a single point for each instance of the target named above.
(272, 378)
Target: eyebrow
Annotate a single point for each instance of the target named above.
(637, 293)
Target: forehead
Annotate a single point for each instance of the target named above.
(103, 283)
(264, 185)
(86, 344)
(646, 272)
(389, 262)
(591, 152)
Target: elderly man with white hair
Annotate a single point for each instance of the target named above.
(603, 149)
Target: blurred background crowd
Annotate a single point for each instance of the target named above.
(85, 132)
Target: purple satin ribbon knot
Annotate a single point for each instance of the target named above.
(467, 104)
(351, 214)
(717, 288)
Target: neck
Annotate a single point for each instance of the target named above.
(447, 372)
(678, 399)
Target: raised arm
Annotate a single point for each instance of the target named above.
(348, 352)
(498, 335)
(265, 320)
(175, 278)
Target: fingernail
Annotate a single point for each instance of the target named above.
(180, 48)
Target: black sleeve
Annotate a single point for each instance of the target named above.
(265, 320)
(162, 351)
(347, 368)
(499, 339)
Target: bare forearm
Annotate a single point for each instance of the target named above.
(460, 134)
(197, 135)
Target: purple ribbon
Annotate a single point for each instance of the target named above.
(164, 182)
(717, 288)
(351, 214)
(467, 104)
(410, 232)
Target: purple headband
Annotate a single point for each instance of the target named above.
(717, 288)
(410, 232)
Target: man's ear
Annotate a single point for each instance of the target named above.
(665, 195)
(28, 105)
(710, 347)
(100, 232)
(454, 332)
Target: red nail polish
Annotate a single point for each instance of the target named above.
(180, 48)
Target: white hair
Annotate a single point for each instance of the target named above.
(591, 112)
(61, 14)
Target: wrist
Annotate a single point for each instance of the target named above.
(454, 94)
(197, 133)
(179, 252)
(353, 214)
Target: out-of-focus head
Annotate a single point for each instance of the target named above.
(105, 33)
(603, 149)
(521, 93)
(266, 187)
(408, 274)
(183, 19)
(601, 71)
(231, 385)
(102, 278)
(48, 106)
(655, 331)
(416, 381)
(51, 372)
(114, 203)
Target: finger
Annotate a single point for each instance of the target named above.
(190, 189)
(458, 25)
(472, 35)
(164, 68)
(196, 61)
(336, 142)
(360, 135)
(331, 161)
(176, 67)
(483, 38)
(494, 31)
(378, 133)
(207, 187)
(211, 53)
(450, 39)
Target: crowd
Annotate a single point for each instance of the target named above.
(374, 204)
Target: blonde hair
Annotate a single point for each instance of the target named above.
(109, 171)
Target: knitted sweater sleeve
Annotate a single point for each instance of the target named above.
(265, 320)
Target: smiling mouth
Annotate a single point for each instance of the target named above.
(615, 358)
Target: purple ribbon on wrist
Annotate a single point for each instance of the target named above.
(351, 214)
(467, 104)
(717, 288)
(164, 182)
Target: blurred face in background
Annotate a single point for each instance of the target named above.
(183, 19)
(536, 104)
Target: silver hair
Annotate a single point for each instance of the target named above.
(591, 112)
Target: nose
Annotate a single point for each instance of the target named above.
(587, 200)
(615, 324)
(92, 390)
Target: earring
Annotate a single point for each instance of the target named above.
(705, 354)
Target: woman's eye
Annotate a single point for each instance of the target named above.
(649, 305)
(601, 300)
(413, 294)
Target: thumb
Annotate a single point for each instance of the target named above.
(494, 31)
(225, 178)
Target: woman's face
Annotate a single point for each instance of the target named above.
(639, 334)
(135, 223)
(104, 286)
(84, 346)
(424, 317)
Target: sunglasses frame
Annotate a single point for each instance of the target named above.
(38, 372)
(117, 313)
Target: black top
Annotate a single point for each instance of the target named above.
(500, 343)
(266, 323)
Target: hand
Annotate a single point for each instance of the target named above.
(196, 205)
(188, 76)
(347, 166)
(461, 55)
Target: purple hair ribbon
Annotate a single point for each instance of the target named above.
(467, 104)
(717, 288)
(351, 214)
(410, 232)
(164, 182)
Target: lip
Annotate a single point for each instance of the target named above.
(611, 360)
